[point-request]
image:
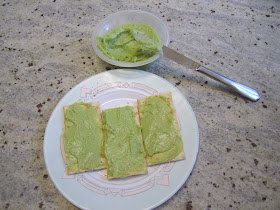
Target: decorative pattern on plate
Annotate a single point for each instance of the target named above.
(97, 181)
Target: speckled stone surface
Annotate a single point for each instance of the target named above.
(46, 50)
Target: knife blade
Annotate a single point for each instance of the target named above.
(179, 58)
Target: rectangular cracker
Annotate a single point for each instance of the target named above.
(94, 104)
(154, 159)
(123, 139)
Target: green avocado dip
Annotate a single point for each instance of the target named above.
(161, 139)
(124, 147)
(122, 43)
(83, 137)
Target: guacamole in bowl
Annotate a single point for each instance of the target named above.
(115, 39)
(122, 43)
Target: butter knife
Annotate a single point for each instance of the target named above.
(189, 63)
(185, 61)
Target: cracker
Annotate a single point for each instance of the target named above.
(155, 158)
(103, 160)
(121, 168)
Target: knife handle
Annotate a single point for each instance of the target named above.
(242, 89)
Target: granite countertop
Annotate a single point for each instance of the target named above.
(46, 50)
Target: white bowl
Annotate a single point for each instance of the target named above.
(129, 16)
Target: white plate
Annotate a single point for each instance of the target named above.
(91, 190)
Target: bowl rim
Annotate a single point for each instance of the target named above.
(124, 64)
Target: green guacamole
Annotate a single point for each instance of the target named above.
(122, 43)
(124, 148)
(83, 137)
(161, 138)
